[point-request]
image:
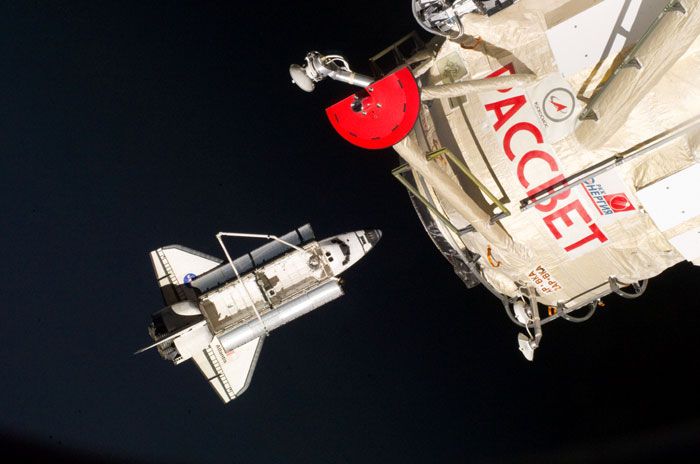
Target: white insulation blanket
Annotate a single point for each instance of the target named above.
(524, 139)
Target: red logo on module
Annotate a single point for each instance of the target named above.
(554, 101)
(619, 202)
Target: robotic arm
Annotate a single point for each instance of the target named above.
(318, 67)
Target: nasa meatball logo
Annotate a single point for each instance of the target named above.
(189, 278)
(619, 202)
(559, 104)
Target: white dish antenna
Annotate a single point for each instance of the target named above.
(300, 78)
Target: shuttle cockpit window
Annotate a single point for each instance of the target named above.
(344, 248)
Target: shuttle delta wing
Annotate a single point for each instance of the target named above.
(175, 265)
(229, 373)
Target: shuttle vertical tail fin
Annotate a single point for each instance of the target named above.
(175, 265)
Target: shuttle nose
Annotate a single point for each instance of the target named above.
(373, 236)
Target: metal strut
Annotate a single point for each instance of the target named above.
(592, 307)
(638, 287)
(399, 172)
(630, 61)
(606, 165)
(465, 170)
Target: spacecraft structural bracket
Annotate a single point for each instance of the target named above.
(638, 288)
(631, 60)
(465, 170)
(399, 172)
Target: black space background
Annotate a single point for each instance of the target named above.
(124, 127)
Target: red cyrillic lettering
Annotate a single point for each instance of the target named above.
(510, 68)
(563, 214)
(549, 186)
(521, 126)
(549, 159)
(514, 104)
(597, 233)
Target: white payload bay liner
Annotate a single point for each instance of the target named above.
(616, 117)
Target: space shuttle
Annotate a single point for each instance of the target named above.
(218, 312)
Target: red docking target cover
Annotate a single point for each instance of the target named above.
(381, 115)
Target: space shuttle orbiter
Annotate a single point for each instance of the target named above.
(219, 312)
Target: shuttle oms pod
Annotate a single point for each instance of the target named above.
(555, 157)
